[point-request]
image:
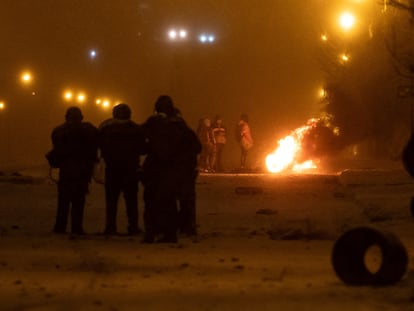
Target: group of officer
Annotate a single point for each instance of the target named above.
(168, 173)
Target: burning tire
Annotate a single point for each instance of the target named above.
(348, 257)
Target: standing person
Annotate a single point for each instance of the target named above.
(187, 164)
(121, 143)
(206, 138)
(245, 139)
(219, 133)
(74, 153)
(167, 137)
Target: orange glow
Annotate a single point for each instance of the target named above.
(2, 105)
(68, 95)
(26, 77)
(347, 20)
(285, 157)
(307, 165)
(322, 93)
(81, 97)
(344, 57)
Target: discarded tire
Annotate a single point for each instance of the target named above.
(248, 190)
(348, 257)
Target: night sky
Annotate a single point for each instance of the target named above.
(263, 63)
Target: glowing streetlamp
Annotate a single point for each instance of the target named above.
(324, 37)
(106, 103)
(26, 77)
(347, 21)
(68, 95)
(81, 97)
(93, 54)
(2, 105)
(182, 34)
(322, 93)
(98, 101)
(172, 34)
(344, 57)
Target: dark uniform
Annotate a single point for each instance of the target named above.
(187, 163)
(165, 169)
(121, 143)
(75, 152)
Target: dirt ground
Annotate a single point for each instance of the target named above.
(268, 249)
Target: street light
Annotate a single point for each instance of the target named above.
(68, 95)
(106, 103)
(183, 34)
(26, 77)
(2, 105)
(93, 54)
(347, 21)
(172, 34)
(81, 97)
(344, 57)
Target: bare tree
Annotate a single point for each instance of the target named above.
(362, 88)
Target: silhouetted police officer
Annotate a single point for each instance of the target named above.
(167, 137)
(121, 143)
(74, 152)
(187, 167)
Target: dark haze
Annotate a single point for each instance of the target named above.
(265, 62)
(369, 98)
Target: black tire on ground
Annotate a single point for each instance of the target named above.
(348, 257)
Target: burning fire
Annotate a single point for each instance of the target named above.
(289, 151)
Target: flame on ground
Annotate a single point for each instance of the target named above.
(285, 157)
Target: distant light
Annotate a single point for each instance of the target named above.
(98, 101)
(93, 54)
(183, 34)
(206, 38)
(2, 105)
(106, 103)
(68, 95)
(322, 93)
(324, 38)
(33, 93)
(26, 77)
(172, 34)
(81, 97)
(344, 57)
(347, 20)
